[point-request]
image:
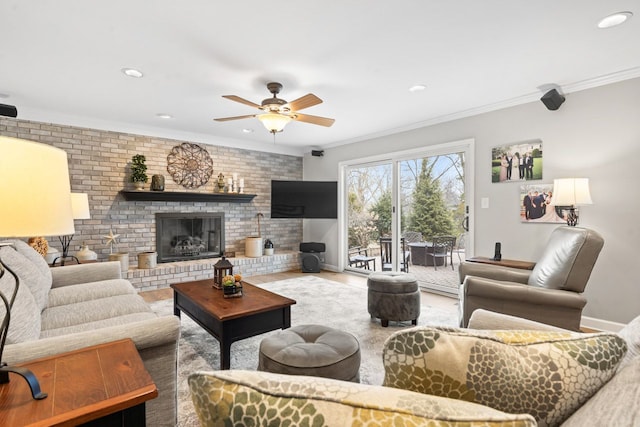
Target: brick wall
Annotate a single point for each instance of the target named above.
(99, 165)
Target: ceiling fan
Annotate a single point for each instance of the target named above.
(276, 112)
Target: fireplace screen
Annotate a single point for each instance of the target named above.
(185, 236)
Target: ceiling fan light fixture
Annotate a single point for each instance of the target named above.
(274, 122)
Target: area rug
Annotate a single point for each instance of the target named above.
(318, 301)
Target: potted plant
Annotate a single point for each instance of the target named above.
(138, 171)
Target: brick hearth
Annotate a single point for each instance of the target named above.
(175, 272)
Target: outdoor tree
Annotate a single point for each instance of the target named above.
(382, 214)
(361, 227)
(430, 215)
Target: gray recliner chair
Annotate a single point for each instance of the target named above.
(551, 293)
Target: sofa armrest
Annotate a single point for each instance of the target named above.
(489, 320)
(85, 273)
(145, 334)
(508, 291)
(491, 271)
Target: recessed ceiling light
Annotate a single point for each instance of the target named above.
(132, 72)
(247, 130)
(417, 88)
(614, 19)
(164, 116)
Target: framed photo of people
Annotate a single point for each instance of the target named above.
(521, 161)
(536, 205)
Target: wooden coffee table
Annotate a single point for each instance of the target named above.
(100, 385)
(231, 319)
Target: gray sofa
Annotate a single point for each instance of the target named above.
(67, 308)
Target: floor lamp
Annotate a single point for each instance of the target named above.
(80, 210)
(35, 200)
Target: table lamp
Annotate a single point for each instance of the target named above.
(35, 200)
(571, 192)
(80, 210)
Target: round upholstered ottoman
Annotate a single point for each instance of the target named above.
(312, 350)
(393, 296)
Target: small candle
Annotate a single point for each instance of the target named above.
(241, 182)
(235, 176)
(230, 181)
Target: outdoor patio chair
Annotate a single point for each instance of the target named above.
(442, 249)
(385, 255)
(359, 258)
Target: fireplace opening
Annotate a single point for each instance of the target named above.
(186, 236)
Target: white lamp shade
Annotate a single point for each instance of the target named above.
(80, 205)
(571, 192)
(274, 122)
(35, 194)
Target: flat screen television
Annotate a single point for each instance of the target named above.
(304, 199)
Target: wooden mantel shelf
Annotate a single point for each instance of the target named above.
(181, 196)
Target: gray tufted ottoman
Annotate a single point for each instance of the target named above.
(312, 350)
(393, 296)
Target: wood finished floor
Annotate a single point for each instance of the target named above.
(441, 301)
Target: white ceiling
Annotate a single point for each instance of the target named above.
(60, 62)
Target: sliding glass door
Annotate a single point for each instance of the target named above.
(409, 213)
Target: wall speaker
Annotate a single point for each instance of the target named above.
(317, 153)
(8, 110)
(552, 99)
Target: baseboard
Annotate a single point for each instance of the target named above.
(332, 268)
(601, 325)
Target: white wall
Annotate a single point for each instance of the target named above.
(594, 134)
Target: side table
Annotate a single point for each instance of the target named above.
(523, 265)
(101, 385)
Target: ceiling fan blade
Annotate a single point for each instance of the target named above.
(226, 119)
(241, 100)
(309, 100)
(314, 120)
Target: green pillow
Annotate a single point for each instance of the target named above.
(546, 374)
(251, 398)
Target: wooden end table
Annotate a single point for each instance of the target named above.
(523, 265)
(101, 385)
(231, 319)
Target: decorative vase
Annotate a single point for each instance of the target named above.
(147, 259)
(253, 247)
(123, 257)
(157, 183)
(138, 185)
(268, 247)
(86, 254)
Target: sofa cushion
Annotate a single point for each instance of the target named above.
(25, 313)
(261, 398)
(543, 373)
(125, 319)
(617, 403)
(631, 334)
(84, 312)
(28, 265)
(89, 291)
(38, 260)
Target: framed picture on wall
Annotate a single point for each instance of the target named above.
(520, 161)
(536, 205)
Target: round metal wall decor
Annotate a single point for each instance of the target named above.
(189, 165)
